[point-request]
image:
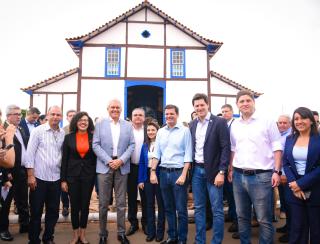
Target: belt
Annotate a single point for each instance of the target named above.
(114, 157)
(251, 171)
(170, 169)
(201, 165)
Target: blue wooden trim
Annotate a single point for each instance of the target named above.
(106, 63)
(161, 84)
(184, 63)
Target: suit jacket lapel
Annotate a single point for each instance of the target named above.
(193, 131)
(210, 124)
(290, 155)
(312, 152)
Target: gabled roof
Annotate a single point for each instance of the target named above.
(49, 81)
(233, 83)
(76, 43)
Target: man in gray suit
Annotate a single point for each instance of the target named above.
(113, 143)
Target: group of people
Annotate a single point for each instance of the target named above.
(241, 158)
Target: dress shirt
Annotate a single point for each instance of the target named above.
(253, 141)
(283, 141)
(31, 126)
(44, 152)
(115, 132)
(200, 138)
(174, 146)
(23, 148)
(138, 139)
(230, 122)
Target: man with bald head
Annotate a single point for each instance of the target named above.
(43, 163)
(113, 143)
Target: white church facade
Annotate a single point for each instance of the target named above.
(144, 58)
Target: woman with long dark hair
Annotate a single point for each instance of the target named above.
(301, 162)
(152, 191)
(78, 171)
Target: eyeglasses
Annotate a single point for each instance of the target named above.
(16, 114)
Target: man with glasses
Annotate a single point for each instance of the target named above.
(316, 117)
(43, 165)
(30, 121)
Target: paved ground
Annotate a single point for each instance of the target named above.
(64, 232)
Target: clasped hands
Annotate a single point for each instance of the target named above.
(296, 190)
(115, 163)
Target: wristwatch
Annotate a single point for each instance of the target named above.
(221, 172)
(278, 172)
(152, 170)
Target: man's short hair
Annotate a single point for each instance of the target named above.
(285, 116)
(315, 113)
(138, 109)
(171, 106)
(244, 93)
(70, 111)
(227, 106)
(199, 96)
(33, 110)
(10, 108)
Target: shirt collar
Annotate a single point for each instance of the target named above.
(177, 125)
(47, 127)
(253, 116)
(112, 121)
(28, 123)
(207, 118)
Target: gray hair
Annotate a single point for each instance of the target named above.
(10, 108)
(285, 116)
(138, 109)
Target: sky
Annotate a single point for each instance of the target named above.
(270, 46)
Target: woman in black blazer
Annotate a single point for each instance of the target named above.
(301, 162)
(78, 172)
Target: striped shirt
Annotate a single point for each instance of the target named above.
(44, 152)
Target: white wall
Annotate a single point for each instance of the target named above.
(175, 37)
(220, 87)
(116, 34)
(95, 95)
(68, 84)
(39, 101)
(180, 93)
(145, 62)
(156, 34)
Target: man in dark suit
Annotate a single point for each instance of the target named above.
(17, 175)
(211, 154)
(30, 121)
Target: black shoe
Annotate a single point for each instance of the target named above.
(284, 238)
(233, 227)
(6, 236)
(103, 240)
(169, 241)
(65, 212)
(132, 230)
(150, 238)
(159, 238)
(282, 229)
(123, 239)
(208, 226)
(48, 242)
(235, 235)
(23, 229)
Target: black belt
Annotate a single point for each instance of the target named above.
(114, 157)
(201, 165)
(170, 169)
(251, 171)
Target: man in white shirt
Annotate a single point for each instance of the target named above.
(137, 118)
(255, 167)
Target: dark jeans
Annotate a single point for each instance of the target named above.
(48, 193)
(132, 190)
(4, 212)
(80, 190)
(175, 204)
(20, 194)
(65, 199)
(152, 192)
(228, 193)
(283, 203)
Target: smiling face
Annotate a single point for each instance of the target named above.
(201, 108)
(114, 110)
(138, 117)
(152, 132)
(54, 117)
(83, 124)
(171, 117)
(246, 105)
(283, 123)
(302, 125)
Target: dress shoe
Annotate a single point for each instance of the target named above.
(23, 229)
(169, 241)
(150, 238)
(49, 242)
(103, 240)
(233, 227)
(282, 229)
(132, 230)
(123, 239)
(284, 238)
(6, 236)
(235, 235)
(208, 226)
(159, 238)
(65, 212)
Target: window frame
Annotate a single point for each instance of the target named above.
(106, 63)
(183, 65)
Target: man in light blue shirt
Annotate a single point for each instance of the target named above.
(174, 148)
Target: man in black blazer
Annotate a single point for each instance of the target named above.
(211, 155)
(30, 121)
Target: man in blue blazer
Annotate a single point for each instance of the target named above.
(211, 154)
(113, 143)
(30, 121)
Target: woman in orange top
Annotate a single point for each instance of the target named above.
(78, 172)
